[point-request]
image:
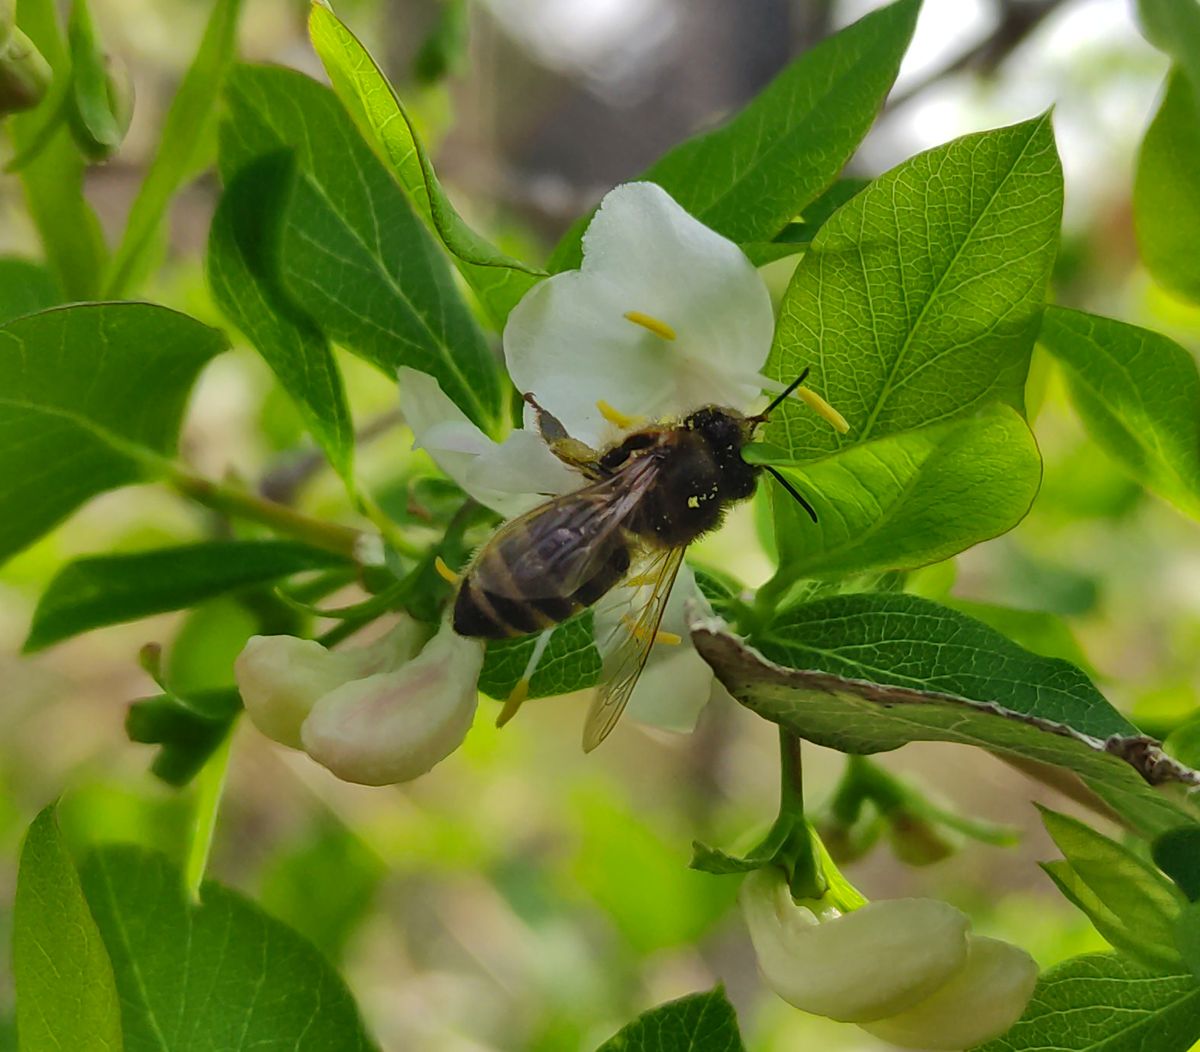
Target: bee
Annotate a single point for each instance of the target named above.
(645, 499)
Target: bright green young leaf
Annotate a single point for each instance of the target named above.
(102, 104)
(353, 251)
(748, 179)
(185, 132)
(188, 730)
(53, 179)
(75, 419)
(66, 995)
(109, 589)
(1177, 853)
(798, 235)
(497, 279)
(1166, 190)
(1106, 1003)
(570, 662)
(1104, 920)
(867, 673)
(1141, 900)
(25, 288)
(911, 498)
(1173, 26)
(1139, 395)
(217, 975)
(919, 300)
(697, 1022)
(243, 273)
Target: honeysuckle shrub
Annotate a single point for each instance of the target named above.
(917, 300)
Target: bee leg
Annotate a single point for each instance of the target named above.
(444, 571)
(520, 692)
(571, 451)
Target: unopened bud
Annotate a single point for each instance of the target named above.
(101, 90)
(24, 74)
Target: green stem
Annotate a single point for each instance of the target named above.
(243, 504)
(805, 873)
(210, 785)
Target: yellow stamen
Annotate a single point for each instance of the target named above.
(647, 321)
(640, 579)
(667, 639)
(513, 702)
(617, 418)
(823, 409)
(444, 571)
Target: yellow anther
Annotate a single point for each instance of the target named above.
(617, 418)
(444, 571)
(640, 579)
(667, 639)
(823, 409)
(647, 321)
(513, 702)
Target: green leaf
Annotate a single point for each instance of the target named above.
(570, 662)
(1187, 937)
(185, 132)
(1141, 901)
(25, 288)
(697, 1022)
(110, 589)
(243, 273)
(1139, 396)
(219, 974)
(871, 672)
(1104, 920)
(66, 995)
(1105, 1003)
(748, 179)
(1173, 26)
(913, 498)
(797, 236)
(53, 179)
(101, 104)
(1166, 191)
(919, 300)
(353, 252)
(497, 279)
(188, 729)
(76, 416)
(1177, 853)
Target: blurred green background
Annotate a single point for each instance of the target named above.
(523, 897)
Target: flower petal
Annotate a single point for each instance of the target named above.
(394, 726)
(570, 343)
(508, 477)
(981, 1002)
(281, 678)
(861, 966)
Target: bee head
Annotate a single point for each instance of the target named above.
(726, 431)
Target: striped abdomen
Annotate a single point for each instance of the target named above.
(534, 574)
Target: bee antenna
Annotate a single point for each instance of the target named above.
(812, 513)
(760, 418)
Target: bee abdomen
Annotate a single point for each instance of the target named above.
(485, 614)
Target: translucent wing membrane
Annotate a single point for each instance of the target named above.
(628, 644)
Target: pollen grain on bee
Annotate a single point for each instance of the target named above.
(653, 324)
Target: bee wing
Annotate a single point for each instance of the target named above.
(623, 665)
(558, 546)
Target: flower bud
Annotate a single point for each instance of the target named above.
(24, 74)
(393, 726)
(101, 89)
(856, 967)
(281, 678)
(981, 1002)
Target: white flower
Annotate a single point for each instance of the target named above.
(375, 715)
(664, 316)
(906, 970)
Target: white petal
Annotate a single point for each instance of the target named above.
(569, 342)
(521, 472)
(981, 1002)
(861, 966)
(281, 678)
(394, 726)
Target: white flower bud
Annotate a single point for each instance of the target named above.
(281, 678)
(980, 1002)
(856, 967)
(395, 725)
